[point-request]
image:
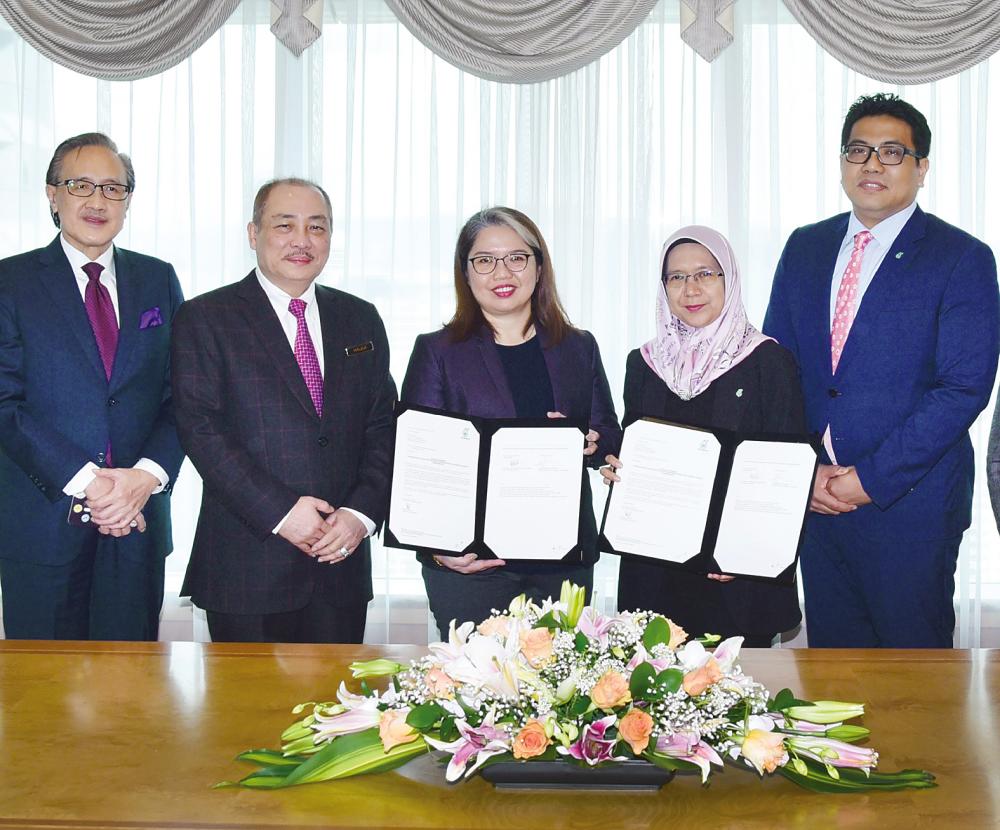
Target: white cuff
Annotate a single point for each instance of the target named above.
(368, 523)
(154, 470)
(81, 481)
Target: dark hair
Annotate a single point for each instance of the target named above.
(684, 240)
(887, 104)
(54, 175)
(265, 190)
(546, 310)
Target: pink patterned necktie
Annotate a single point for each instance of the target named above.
(101, 313)
(847, 298)
(305, 354)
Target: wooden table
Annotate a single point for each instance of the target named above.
(132, 736)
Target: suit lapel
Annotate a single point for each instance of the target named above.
(884, 286)
(129, 285)
(494, 369)
(57, 280)
(333, 349)
(558, 373)
(259, 313)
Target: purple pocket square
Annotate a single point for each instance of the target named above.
(151, 318)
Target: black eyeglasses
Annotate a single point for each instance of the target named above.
(84, 188)
(484, 264)
(857, 152)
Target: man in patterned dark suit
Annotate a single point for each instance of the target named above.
(284, 404)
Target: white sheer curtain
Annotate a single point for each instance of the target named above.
(608, 160)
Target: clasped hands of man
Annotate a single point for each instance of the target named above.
(837, 490)
(116, 497)
(320, 530)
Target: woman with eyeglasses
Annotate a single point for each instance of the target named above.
(709, 367)
(509, 351)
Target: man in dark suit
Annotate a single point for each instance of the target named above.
(85, 410)
(893, 317)
(284, 404)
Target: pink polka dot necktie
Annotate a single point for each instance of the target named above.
(305, 354)
(847, 298)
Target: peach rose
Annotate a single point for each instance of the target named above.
(635, 729)
(536, 646)
(765, 750)
(531, 740)
(610, 691)
(677, 635)
(695, 682)
(440, 684)
(394, 730)
(494, 626)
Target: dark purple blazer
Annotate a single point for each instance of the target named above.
(467, 378)
(245, 417)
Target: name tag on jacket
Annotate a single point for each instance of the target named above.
(361, 348)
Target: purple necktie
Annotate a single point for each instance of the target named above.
(101, 312)
(305, 354)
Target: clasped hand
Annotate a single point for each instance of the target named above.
(837, 490)
(116, 497)
(322, 531)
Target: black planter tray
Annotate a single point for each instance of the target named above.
(561, 775)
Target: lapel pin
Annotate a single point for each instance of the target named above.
(739, 393)
(899, 255)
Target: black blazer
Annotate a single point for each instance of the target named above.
(246, 420)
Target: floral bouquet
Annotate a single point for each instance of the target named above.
(563, 682)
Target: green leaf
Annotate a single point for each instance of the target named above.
(854, 780)
(449, 732)
(305, 744)
(640, 682)
(580, 642)
(355, 754)
(580, 706)
(425, 715)
(670, 680)
(548, 621)
(739, 711)
(657, 632)
(267, 778)
(269, 757)
(784, 699)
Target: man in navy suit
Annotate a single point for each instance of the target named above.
(893, 317)
(284, 404)
(85, 411)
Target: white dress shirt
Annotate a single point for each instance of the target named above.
(77, 259)
(290, 325)
(883, 235)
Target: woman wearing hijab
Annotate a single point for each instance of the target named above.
(510, 351)
(709, 367)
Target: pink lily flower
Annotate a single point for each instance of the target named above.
(595, 625)
(643, 656)
(476, 745)
(360, 713)
(833, 753)
(688, 746)
(592, 746)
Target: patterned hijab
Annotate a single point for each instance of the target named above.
(689, 359)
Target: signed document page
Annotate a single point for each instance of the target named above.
(533, 492)
(765, 506)
(660, 506)
(433, 502)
